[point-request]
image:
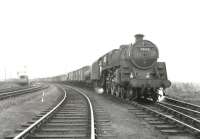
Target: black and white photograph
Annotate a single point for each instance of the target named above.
(99, 69)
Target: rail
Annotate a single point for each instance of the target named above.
(172, 120)
(21, 91)
(92, 130)
(193, 106)
(28, 130)
(182, 109)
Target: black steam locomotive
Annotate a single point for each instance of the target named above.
(130, 72)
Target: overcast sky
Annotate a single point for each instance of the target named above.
(55, 37)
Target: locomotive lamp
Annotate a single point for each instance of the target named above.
(131, 75)
(147, 75)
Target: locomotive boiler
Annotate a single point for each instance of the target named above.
(132, 71)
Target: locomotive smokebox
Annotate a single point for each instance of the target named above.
(139, 37)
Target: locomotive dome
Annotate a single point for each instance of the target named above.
(143, 53)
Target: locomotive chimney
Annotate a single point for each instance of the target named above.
(139, 37)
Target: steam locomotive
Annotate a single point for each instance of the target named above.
(130, 72)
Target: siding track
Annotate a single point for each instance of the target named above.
(170, 116)
(22, 91)
(72, 118)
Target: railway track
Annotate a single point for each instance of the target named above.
(22, 91)
(172, 117)
(71, 118)
(184, 107)
(11, 89)
(102, 120)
